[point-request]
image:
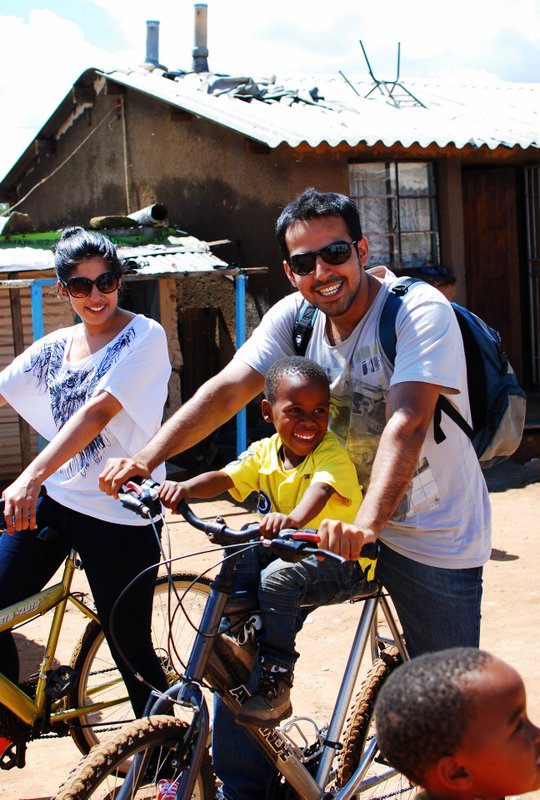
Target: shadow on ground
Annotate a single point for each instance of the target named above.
(510, 475)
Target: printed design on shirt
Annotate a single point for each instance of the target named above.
(264, 504)
(242, 457)
(358, 417)
(369, 359)
(69, 390)
(422, 493)
(46, 361)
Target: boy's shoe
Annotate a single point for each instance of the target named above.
(232, 652)
(270, 701)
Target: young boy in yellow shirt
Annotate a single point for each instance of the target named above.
(302, 475)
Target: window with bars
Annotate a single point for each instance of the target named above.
(398, 211)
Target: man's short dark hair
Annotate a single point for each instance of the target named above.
(292, 365)
(312, 204)
(424, 708)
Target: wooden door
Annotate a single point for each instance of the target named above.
(492, 264)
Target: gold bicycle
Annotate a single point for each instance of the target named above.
(87, 697)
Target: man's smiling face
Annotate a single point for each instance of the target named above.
(331, 288)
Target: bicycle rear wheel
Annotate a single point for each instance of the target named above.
(99, 678)
(159, 742)
(380, 780)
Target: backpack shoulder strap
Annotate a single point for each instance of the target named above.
(303, 327)
(387, 321)
(443, 404)
(388, 341)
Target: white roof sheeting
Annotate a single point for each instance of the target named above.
(494, 114)
(192, 255)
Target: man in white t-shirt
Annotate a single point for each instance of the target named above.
(427, 503)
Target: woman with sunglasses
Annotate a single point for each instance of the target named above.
(92, 390)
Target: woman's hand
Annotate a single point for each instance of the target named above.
(20, 500)
(171, 492)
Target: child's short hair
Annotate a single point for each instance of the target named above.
(423, 709)
(292, 365)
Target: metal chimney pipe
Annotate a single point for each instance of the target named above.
(200, 51)
(151, 214)
(152, 42)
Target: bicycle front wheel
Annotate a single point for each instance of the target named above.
(99, 678)
(380, 779)
(159, 743)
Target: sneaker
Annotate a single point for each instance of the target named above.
(232, 652)
(270, 701)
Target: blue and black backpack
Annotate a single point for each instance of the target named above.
(497, 400)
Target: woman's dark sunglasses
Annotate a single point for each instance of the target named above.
(334, 254)
(78, 286)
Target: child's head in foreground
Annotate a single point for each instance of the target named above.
(297, 402)
(455, 723)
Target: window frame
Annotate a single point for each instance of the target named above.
(394, 232)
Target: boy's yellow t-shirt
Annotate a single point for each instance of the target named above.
(260, 469)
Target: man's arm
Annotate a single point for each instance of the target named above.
(410, 408)
(215, 402)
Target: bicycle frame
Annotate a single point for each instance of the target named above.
(15, 699)
(204, 663)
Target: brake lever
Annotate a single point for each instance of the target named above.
(290, 549)
(142, 498)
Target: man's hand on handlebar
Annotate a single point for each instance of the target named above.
(344, 538)
(118, 471)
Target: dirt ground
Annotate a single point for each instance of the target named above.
(511, 621)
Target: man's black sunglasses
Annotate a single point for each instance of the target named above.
(335, 253)
(78, 286)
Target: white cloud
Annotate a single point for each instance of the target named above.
(42, 55)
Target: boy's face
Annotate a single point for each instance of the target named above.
(501, 747)
(299, 414)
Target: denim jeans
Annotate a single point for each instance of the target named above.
(282, 589)
(112, 555)
(437, 608)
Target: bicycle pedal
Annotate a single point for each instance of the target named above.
(12, 755)
(59, 681)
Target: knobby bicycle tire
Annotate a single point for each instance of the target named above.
(99, 678)
(360, 728)
(101, 773)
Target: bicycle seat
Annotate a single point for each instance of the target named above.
(49, 534)
(241, 601)
(369, 589)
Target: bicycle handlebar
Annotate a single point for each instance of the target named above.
(290, 544)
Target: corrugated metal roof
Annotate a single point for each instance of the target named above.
(286, 110)
(181, 257)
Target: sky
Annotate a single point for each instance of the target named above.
(45, 47)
